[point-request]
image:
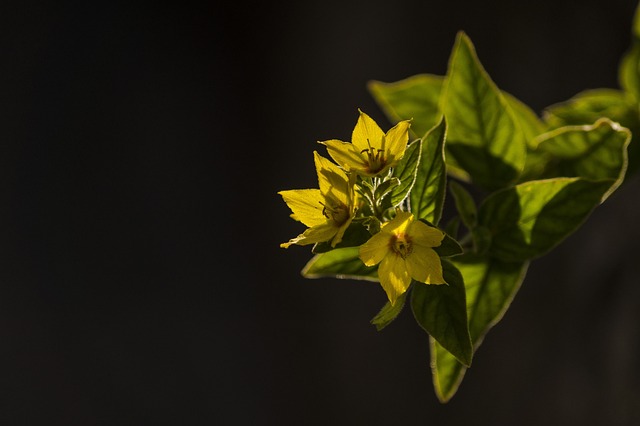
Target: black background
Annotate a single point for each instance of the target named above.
(141, 281)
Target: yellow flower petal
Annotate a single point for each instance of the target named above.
(317, 234)
(394, 277)
(346, 155)
(306, 205)
(396, 141)
(373, 251)
(367, 133)
(425, 235)
(332, 179)
(398, 224)
(424, 265)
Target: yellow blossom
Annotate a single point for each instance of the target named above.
(327, 211)
(371, 151)
(404, 250)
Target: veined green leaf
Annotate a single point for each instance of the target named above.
(490, 287)
(389, 312)
(446, 371)
(441, 311)
(483, 138)
(465, 205)
(593, 152)
(406, 171)
(590, 105)
(530, 124)
(428, 193)
(414, 98)
(417, 98)
(529, 219)
(343, 263)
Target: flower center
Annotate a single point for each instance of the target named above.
(376, 158)
(401, 245)
(338, 213)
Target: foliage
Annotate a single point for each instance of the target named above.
(520, 184)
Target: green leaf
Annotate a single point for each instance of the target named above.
(417, 98)
(530, 124)
(414, 98)
(428, 193)
(452, 227)
(590, 105)
(484, 139)
(629, 68)
(635, 24)
(447, 372)
(355, 235)
(389, 312)
(481, 239)
(406, 171)
(449, 247)
(528, 220)
(385, 188)
(629, 71)
(343, 263)
(535, 165)
(593, 152)
(441, 311)
(491, 286)
(465, 205)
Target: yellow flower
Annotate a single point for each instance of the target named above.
(327, 211)
(403, 248)
(371, 151)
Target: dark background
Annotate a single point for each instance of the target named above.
(141, 281)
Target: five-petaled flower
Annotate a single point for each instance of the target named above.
(371, 151)
(404, 250)
(327, 211)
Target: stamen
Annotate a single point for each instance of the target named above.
(375, 157)
(338, 213)
(401, 245)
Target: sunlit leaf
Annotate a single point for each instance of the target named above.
(465, 205)
(441, 311)
(530, 124)
(490, 287)
(590, 105)
(406, 171)
(389, 312)
(593, 152)
(341, 263)
(414, 98)
(529, 219)
(484, 138)
(355, 235)
(428, 193)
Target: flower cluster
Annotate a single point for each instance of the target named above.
(355, 191)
